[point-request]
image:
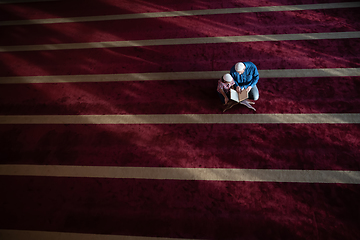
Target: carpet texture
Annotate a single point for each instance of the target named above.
(179, 208)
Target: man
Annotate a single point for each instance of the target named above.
(246, 77)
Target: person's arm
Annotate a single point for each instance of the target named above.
(235, 75)
(239, 89)
(221, 91)
(224, 95)
(255, 78)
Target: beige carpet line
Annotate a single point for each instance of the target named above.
(184, 13)
(317, 118)
(201, 75)
(183, 41)
(201, 174)
(9, 234)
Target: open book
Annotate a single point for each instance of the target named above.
(238, 98)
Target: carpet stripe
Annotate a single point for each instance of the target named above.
(43, 235)
(272, 73)
(204, 174)
(185, 13)
(330, 118)
(184, 41)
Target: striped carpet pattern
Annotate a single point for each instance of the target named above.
(111, 127)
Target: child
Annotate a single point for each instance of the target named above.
(223, 87)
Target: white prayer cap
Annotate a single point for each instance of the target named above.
(239, 67)
(227, 78)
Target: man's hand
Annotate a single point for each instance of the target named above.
(248, 89)
(239, 90)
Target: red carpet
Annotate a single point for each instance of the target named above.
(186, 27)
(196, 57)
(69, 8)
(325, 146)
(179, 208)
(326, 95)
(185, 209)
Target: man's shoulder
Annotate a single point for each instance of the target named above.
(249, 64)
(250, 67)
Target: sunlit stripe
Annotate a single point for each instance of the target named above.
(185, 13)
(273, 73)
(313, 118)
(184, 41)
(7, 234)
(204, 174)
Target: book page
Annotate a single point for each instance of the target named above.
(235, 96)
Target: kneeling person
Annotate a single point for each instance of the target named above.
(246, 77)
(223, 87)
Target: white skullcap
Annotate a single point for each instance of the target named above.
(227, 77)
(239, 66)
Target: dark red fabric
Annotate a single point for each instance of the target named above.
(182, 209)
(260, 146)
(70, 8)
(337, 20)
(277, 95)
(182, 58)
